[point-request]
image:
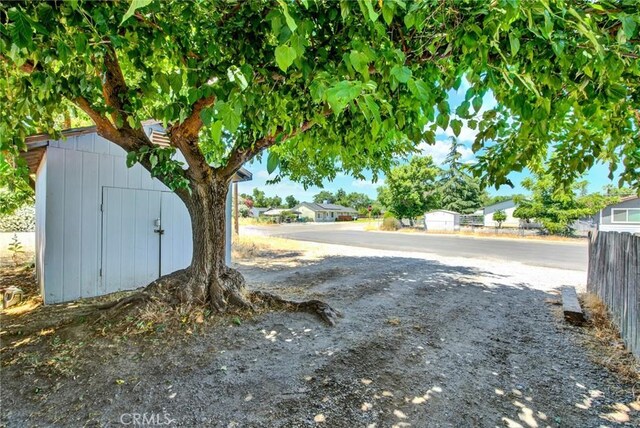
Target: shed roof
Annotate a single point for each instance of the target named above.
(37, 146)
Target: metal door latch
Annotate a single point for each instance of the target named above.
(158, 229)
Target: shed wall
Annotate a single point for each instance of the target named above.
(68, 211)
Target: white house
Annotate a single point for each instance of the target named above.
(623, 216)
(508, 207)
(442, 220)
(324, 212)
(100, 226)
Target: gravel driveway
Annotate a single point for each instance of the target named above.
(424, 342)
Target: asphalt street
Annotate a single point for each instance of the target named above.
(557, 254)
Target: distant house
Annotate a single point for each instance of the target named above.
(623, 216)
(256, 212)
(508, 207)
(442, 220)
(324, 212)
(282, 214)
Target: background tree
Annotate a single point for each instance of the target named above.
(410, 190)
(557, 210)
(326, 87)
(459, 191)
(259, 198)
(499, 217)
(324, 196)
(291, 201)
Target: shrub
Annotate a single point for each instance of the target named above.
(21, 220)
(390, 223)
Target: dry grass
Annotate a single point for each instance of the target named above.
(609, 348)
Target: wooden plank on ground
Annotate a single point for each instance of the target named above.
(571, 306)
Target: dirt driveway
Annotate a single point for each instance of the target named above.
(424, 342)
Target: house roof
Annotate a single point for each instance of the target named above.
(443, 211)
(37, 146)
(279, 211)
(325, 207)
(509, 203)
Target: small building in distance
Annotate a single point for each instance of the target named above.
(442, 220)
(325, 212)
(623, 216)
(508, 206)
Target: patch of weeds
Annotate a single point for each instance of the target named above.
(604, 339)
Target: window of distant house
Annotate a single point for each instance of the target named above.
(626, 215)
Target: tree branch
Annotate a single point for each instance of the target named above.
(114, 86)
(240, 156)
(184, 136)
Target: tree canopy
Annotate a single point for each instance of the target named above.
(331, 86)
(557, 211)
(410, 190)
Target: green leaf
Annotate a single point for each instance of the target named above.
(285, 55)
(272, 162)
(291, 23)
(420, 90)
(402, 73)
(235, 75)
(373, 107)
(231, 117)
(342, 93)
(515, 44)
(135, 5)
(21, 30)
(456, 126)
(132, 158)
(628, 25)
(216, 131)
(360, 63)
(477, 103)
(367, 9)
(207, 116)
(443, 121)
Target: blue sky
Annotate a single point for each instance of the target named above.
(596, 177)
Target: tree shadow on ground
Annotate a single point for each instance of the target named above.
(421, 343)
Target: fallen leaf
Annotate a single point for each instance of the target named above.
(119, 381)
(319, 418)
(366, 381)
(173, 395)
(366, 406)
(200, 319)
(248, 397)
(387, 394)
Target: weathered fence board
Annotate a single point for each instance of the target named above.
(614, 276)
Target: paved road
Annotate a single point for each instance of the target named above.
(564, 255)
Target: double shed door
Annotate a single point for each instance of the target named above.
(145, 234)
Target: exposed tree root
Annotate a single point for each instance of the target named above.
(221, 293)
(317, 307)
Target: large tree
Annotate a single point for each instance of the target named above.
(325, 87)
(458, 190)
(411, 189)
(557, 210)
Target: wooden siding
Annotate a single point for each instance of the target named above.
(70, 185)
(614, 275)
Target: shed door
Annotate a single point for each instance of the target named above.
(133, 252)
(130, 247)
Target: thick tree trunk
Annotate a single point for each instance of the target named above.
(207, 280)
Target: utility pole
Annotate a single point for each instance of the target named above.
(235, 206)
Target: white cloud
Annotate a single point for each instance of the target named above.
(440, 150)
(262, 174)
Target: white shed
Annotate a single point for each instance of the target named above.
(97, 221)
(442, 220)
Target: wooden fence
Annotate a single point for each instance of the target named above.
(614, 275)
